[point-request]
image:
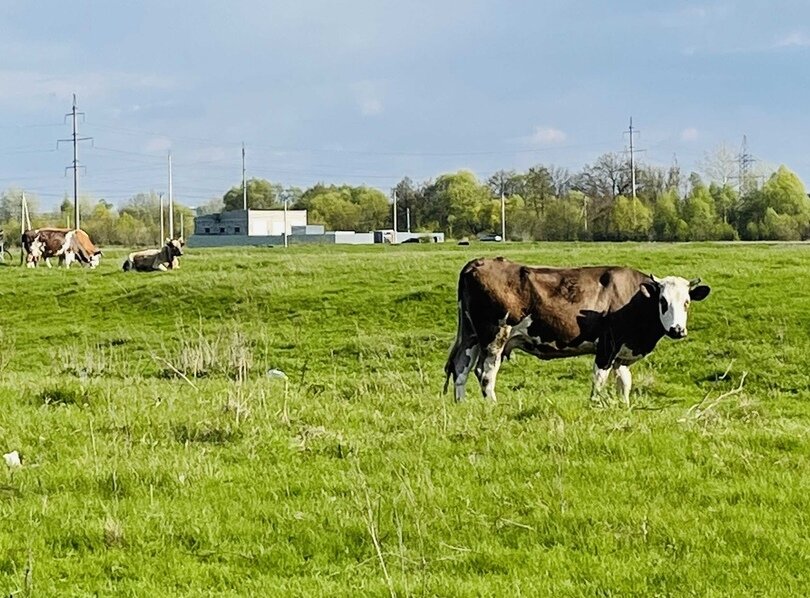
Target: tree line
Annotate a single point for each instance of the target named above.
(136, 223)
(543, 203)
(546, 203)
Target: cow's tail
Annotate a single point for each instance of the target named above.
(449, 369)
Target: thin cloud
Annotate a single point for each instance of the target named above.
(689, 16)
(794, 39)
(546, 135)
(368, 98)
(689, 134)
(158, 145)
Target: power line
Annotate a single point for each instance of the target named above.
(404, 153)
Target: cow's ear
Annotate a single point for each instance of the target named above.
(699, 293)
(649, 289)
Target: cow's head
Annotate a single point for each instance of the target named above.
(95, 259)
(673, 295)
(175, 247)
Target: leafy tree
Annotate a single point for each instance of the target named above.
(133, 232)
(460, 203)
(102, 224)
(630, 219)
(290, 195)
(375, 212)
(789, 217)
(608, 177)
(538, 188)
(410, 199)
(564, 219)
(334, 209)
(261, 195)
(507, 181)
(214, 205)
(667, 224)
(725, 198)
(144, 207)
(781, 227)
(698, 213)
(10, 204)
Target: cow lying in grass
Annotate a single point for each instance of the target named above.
(617, 314)
(148, 260)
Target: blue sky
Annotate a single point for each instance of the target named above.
(365, 92)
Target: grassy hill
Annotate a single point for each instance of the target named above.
(159, 458)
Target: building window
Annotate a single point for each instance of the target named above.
(207, 231)
(236, 230)
(221, 229)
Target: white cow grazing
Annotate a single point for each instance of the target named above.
(148, 260)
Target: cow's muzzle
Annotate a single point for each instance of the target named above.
(677, 332)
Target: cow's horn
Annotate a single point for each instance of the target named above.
(694, 282)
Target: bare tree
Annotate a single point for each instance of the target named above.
(719, 165)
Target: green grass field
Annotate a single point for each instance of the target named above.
(160, 459)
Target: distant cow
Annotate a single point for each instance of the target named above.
(67, 244)
(617, 314)
(165, 258)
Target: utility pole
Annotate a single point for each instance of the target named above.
(503, 207)
(244, 180)
(162, 239)
(171, 199)
(75, 166)
(182, 226)
(286, 199)
(25, 223)
(632, 159)
(26, 215)
(408, 218)
(395, 217)
(503, 216)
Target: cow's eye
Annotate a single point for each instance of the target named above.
(664, 305)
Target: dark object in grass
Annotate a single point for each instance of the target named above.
(62, 395)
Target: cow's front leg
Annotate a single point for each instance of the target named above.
(492, 361)
(624, 381)
(48, 262)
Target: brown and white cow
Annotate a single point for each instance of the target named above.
(67, 244)
(165, 258)
(617, 314)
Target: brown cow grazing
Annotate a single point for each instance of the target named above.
(165, 258)
(617, 314)
(67, 244)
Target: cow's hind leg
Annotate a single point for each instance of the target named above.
(624, 381)
(600, 376)
(464, 358)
